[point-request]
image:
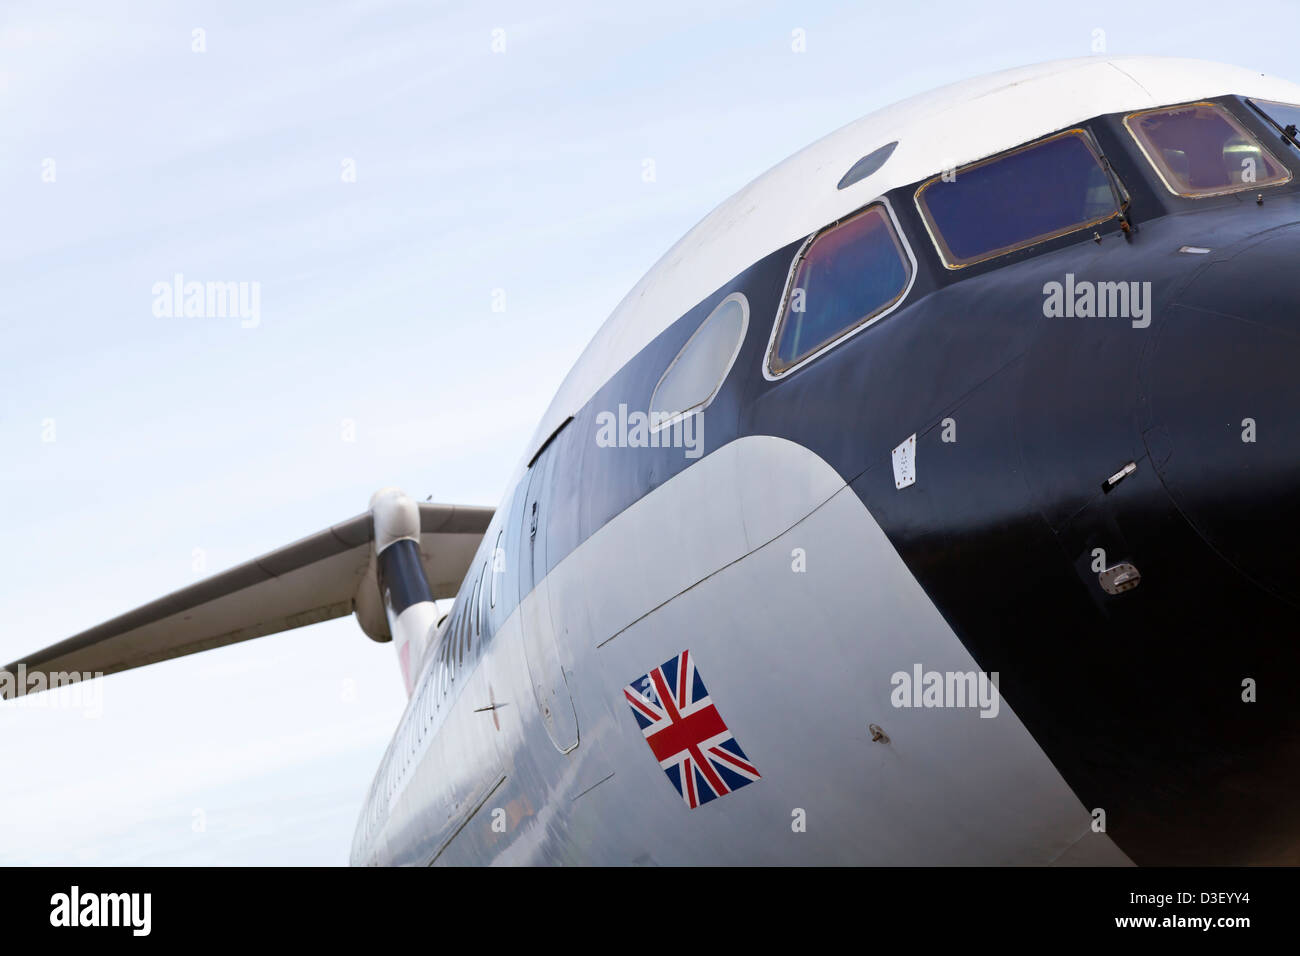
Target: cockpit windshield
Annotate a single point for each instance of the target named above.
(1201, 150)
(1285, 116)
(1037, 192)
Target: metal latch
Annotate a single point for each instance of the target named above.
(1119, 476)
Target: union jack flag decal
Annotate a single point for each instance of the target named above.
(686, 733)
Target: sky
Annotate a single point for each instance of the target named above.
(438, 204)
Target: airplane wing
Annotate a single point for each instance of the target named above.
(315, 579)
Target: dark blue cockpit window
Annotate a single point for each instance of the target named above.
(849, 275)
(1014, 200)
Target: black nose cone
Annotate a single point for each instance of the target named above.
(1223, 426)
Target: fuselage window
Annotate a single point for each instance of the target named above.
(496, 561)
(480, 615)
(1031, 194)
(1201, 150)
(847, 277)
(462, 638)
(476, 614)
(444, 664)
(695, 375)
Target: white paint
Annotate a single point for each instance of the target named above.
(799, 666)
(396, 517)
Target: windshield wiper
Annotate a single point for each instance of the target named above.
(1288, 131)
(1126, 224)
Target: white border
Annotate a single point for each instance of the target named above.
(794, 265)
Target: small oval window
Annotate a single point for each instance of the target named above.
(700, 368)
(867, 165)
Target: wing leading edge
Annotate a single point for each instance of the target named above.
(320, 577)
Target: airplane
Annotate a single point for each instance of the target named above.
(931, 502)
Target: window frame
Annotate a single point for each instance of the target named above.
(1234, 121)
(936, 237)
(770, 371)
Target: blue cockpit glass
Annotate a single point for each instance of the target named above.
(850, 274)
(1014, 200)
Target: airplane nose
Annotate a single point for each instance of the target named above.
(1222, 393)
(1188, 724)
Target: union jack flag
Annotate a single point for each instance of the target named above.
(686, 733)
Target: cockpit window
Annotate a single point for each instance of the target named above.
(1201, 150)
(1037, 192)
(848, 276)
(1284, 116)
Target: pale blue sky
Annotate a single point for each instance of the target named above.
(475, 171)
